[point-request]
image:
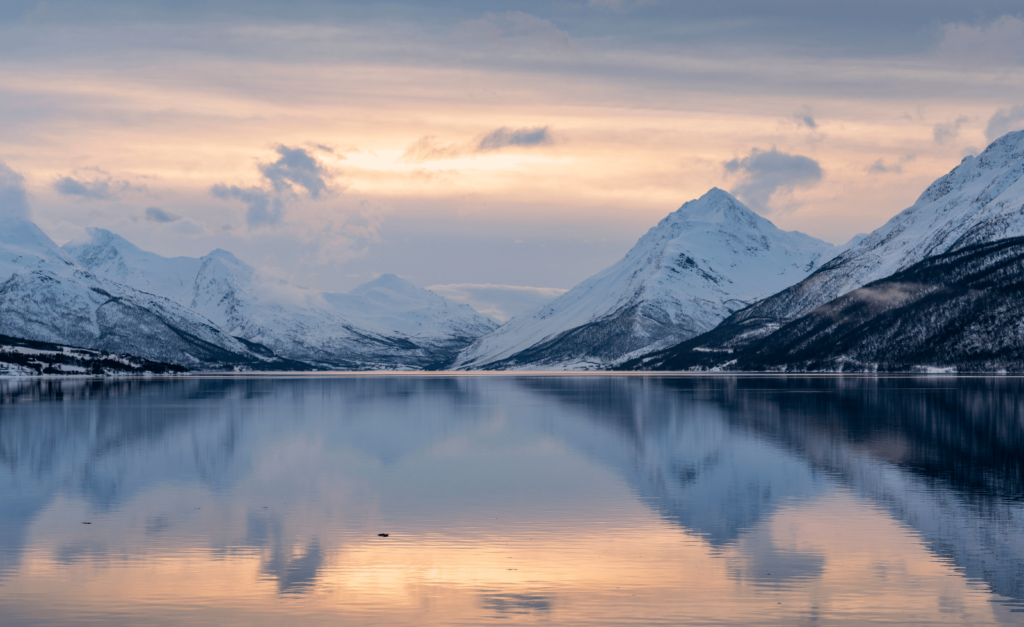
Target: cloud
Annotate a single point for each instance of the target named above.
(1003, 121)
(264, 208)
(295, 167)
(614, 5)
(360, 229)
(805, 118)
(505, 137)
(13, 199)
(947, 132)
(619, 5)
(294, 171)
(99, 187)
(1000, 42)
(156, 214)
(765, 172)
(500, 302)
(879, 167)
(521, 30)
(427, 149)
(68, 186)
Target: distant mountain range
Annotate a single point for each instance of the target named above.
(713, 286)
(47, 297)
(387, 323)
(214, 313)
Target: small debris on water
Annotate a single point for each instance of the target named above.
(87, 523)
(383, 535)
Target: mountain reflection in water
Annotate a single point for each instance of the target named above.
(513, 499)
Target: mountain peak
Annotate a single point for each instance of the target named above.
(389, 282)
(685, 275)
(386, 323)
(114, 258)
(220, 253)
(717, 194)
(714, 198)
(96, 237)
(979, 201)
(1014, 139)
(17, 231)
(23, 245)
(716, 206)
(999, 157)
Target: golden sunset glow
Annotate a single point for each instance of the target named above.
(396, 111)
(429, 576)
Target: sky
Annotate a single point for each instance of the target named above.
(481, 143)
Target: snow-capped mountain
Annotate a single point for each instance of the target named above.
(957, 312)
(46, 296)
(698, 265)
(113, 257)
(979, 201)
(386, 323)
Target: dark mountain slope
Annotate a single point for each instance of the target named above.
(979, 201)
(26, 357)
(962, 310)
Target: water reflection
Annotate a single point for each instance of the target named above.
(512, 499)
(945, 456)
(510, 603)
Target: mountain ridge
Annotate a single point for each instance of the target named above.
(45, 296)
(387, 323)
(957, 312)
(978, 201)
(700, 263)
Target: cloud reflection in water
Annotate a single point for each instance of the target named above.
(575, 499)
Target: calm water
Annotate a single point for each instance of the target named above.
(561, 500)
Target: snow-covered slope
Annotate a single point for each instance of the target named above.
(956, 312)
(113, 257)
(45, 296)
(386, 323)
(981, 200)
(698, 265)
